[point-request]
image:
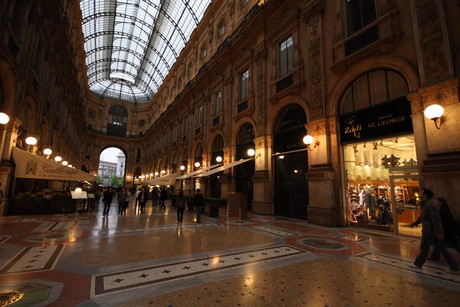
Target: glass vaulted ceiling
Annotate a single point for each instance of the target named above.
(131, 44)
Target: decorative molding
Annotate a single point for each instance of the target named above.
(430, 36)
(312, 9)
(316, 69)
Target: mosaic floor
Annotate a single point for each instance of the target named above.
(148, 260)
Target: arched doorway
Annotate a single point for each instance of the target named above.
(379, 159)
(112, 164)
(245, 171)
(217, 155)
(117, 121)
(290, 163)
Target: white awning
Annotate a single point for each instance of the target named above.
(197, 172)
(222, 168)
(31, 166)
(165, 180)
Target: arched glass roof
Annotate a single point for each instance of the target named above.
(131, 45)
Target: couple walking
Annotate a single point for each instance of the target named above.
(198, 203)
(432, 234)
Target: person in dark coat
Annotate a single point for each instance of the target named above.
(450, 227)
(154, 197)
(432, 234)
(180, 207)
(143, 197)
(198, 203)
(107, 199)
(163, 198)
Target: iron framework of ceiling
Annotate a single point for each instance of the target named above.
(131, 45)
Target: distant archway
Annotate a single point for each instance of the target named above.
(112, 167)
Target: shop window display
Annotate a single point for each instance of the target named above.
(370, 165)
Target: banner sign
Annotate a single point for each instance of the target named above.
(387, 119)
(31, 166)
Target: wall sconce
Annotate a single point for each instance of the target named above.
(434, 112)
(218, 159)
(4, 119)
(197, 164)
(65, 163)
(308, 140)
(47, 152)
(156, 173)
(31, 140)
(182, 167)
(163, 172)
(251, 152)
(58, 158)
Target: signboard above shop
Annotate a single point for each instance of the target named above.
(391, 118)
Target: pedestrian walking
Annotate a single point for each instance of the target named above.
(107, 199)
(180, 207)
(163, 198)
(449, 226)
(198, 203)
(432, 233)
(143, 197)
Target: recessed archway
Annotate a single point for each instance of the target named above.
(112, 167)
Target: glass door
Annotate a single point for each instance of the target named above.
(405, 204)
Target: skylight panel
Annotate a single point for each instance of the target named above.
(131, 44)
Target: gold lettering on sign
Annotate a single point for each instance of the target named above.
(391, 121)
(352, 127)
(387, 120)
(294, 145)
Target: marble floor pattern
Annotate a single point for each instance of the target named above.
(148, 260)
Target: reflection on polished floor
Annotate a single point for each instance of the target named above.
(148, 260)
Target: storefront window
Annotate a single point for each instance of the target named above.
(382, 185)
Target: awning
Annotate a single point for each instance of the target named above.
(197, 172)
(165, 180)
(31, 166)
(222, 168)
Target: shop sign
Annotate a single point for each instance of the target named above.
(390, 118)
(290, 140)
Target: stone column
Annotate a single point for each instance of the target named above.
(323, 207)
(6, 167)
(262, 198)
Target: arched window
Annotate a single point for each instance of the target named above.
(290, 118)
(217, 149)
(117, 121)
(199, 155)
(373, 88)
(245, 136)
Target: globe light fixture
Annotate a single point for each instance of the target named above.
(308, 140)
(4, 119)
(31, 141)
(47, 151)
(434, 112)
(218, 159)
